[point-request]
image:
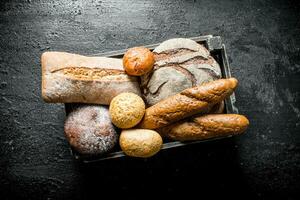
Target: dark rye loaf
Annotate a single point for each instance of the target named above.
(179, 64)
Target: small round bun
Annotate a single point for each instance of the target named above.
(126, 110)
(89, 130)
(141, 143)
(138, 61)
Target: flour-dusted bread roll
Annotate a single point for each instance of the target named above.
(188, 102)
(70, 78)
(205, 127)
(179, 64)
(89, 130)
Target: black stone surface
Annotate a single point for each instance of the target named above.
(263, 44)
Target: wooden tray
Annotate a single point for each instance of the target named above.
(217, 49)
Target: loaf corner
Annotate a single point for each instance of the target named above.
(45, 97)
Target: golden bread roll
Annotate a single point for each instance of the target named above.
(126, 110)
(138, 61)
(141, 143)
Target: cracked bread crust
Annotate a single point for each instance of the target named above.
(71, 78)
(189, 102)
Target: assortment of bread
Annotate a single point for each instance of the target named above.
(175, 92)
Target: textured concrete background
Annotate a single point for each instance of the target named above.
(263, 43)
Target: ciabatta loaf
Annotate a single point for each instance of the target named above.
(70, 78)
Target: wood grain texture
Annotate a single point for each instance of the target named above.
(262, 41)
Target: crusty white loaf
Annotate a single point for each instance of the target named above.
(69, 78)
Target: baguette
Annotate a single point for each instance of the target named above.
(70, 78)
(205, 127)
(187, 103)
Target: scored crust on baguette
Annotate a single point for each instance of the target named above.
(189, 102)
(205, 127)
(71, 78)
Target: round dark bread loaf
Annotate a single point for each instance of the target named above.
(89, 130)
(180, 63)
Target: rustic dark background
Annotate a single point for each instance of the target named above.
(263, 43)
